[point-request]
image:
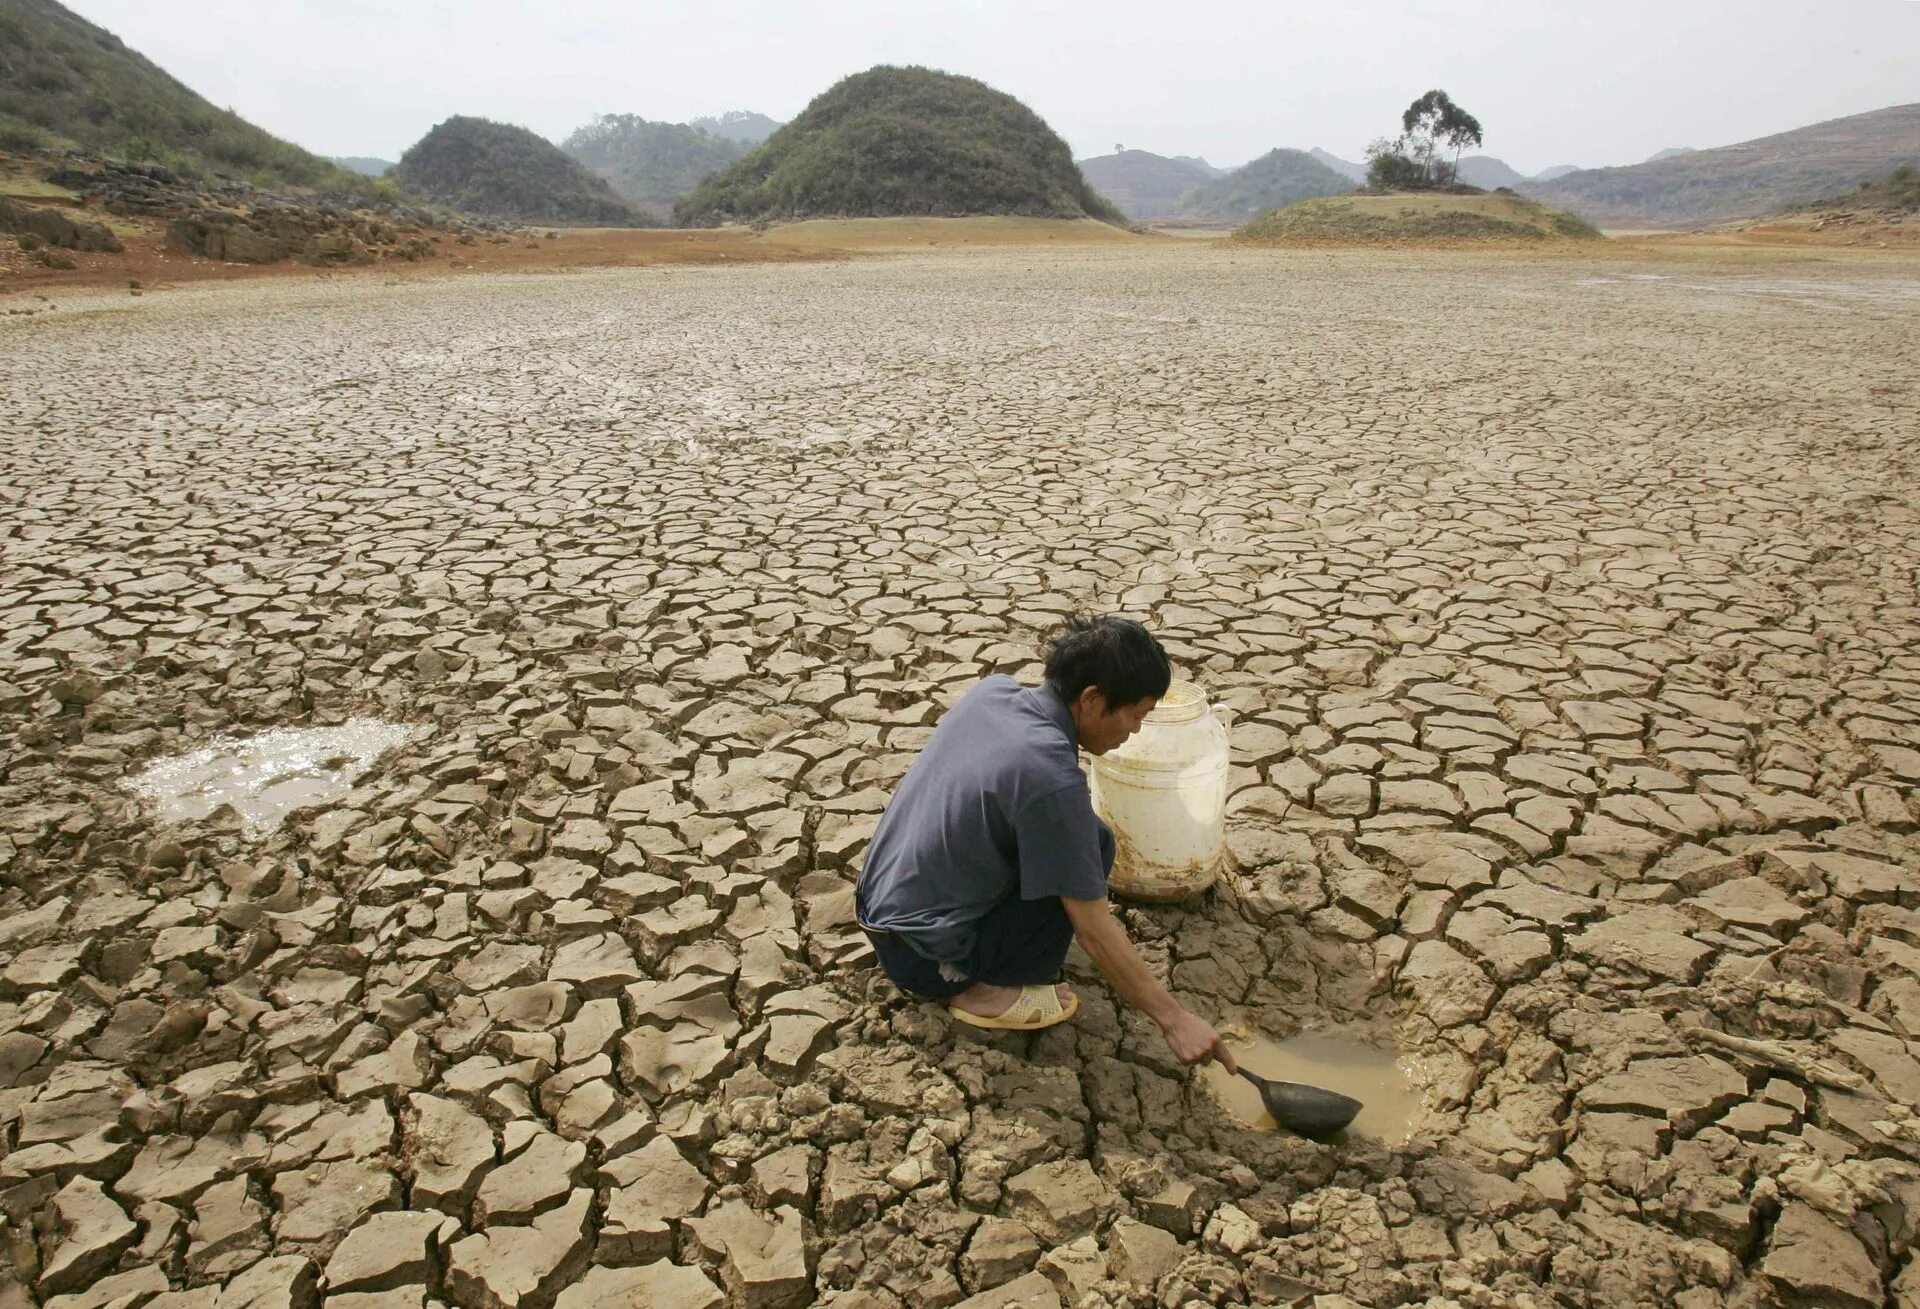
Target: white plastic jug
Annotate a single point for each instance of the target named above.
(1164, 793)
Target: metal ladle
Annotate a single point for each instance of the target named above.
(1310, 1111)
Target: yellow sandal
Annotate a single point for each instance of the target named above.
(1034, 1008)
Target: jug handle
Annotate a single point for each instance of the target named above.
(1224, 715)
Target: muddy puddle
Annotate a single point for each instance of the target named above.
(264, 778)
(1384, 1081)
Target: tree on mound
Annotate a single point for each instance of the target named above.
(500, 171)
(902, 141)
(1414, 160)
(1480, 218)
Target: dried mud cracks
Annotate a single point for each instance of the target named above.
(1571, 629)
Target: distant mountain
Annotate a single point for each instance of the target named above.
(1488, 173)
(67, 84)
(1745, 180)
(651, 164)
(1557, 171)
(742, 125)
(1671, 152)
(363, 165)
(497, 170)
(1276, 178)
(902, 141)
(1197, 162)
(1144, 185)
(1345, 167)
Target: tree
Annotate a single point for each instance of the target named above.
(1433, 121)
(1412, 161)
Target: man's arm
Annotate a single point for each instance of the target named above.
(1190, 1037)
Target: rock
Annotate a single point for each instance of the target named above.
(658, 1285)
(174, 1168)
(1231, 1231)
(999, 1250)
(506, 1267)
(385, 1253)
(286, 1282)
(229, 1230)
(335, 248)
(655, 1187)
(448, 1148)
(1075, 1269)
(1652, 941)
(56, 227)
(320, 1204)
(1749, 902)
(1060, 1200)
(93, 1231)
(1815, 1258)
(1141, 1255)
(784, 1177)
(145, 1285)
(763, 1260)
(540, 1177)
(1033, 1291)
(1448, 988)
(1689, 1091)
(599, 966)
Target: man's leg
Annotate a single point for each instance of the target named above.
(1022, 943)
(913, 973)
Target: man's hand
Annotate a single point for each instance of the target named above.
(1193, 1041)
(1190, 1036)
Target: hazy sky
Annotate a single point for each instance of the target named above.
(1553, 81)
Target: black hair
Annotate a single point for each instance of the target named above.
(1116, 656)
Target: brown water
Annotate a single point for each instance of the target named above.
(1384, 1081)
(266, 777)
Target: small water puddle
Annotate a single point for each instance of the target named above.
(1382, 1080)
(267, 777)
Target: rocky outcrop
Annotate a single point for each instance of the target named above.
(56, 226)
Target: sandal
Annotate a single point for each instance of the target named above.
(1034, 1008)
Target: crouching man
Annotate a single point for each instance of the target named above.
(989, 861)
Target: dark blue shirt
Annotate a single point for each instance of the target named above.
(995, 806)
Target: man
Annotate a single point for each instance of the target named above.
(989, 861)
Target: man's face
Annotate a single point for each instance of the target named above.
(1102, 727)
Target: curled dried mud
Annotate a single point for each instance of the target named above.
(1570, 631)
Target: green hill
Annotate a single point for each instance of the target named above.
(496, 170)
(1143, 184)
(902, 141)
(1276, 178)
(67, 84)
(1763, 176)
(651, 164)
(741, 125)
(1416, 218)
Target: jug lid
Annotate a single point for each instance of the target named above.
(1183, 702)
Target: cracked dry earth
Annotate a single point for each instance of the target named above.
(1569, 623)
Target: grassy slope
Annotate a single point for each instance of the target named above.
(1143, 184)
(501, 171)
(902, 141)
(1745, 180)
(1415, 218)
(651, 164)
(65, 83)
(1276, 178)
